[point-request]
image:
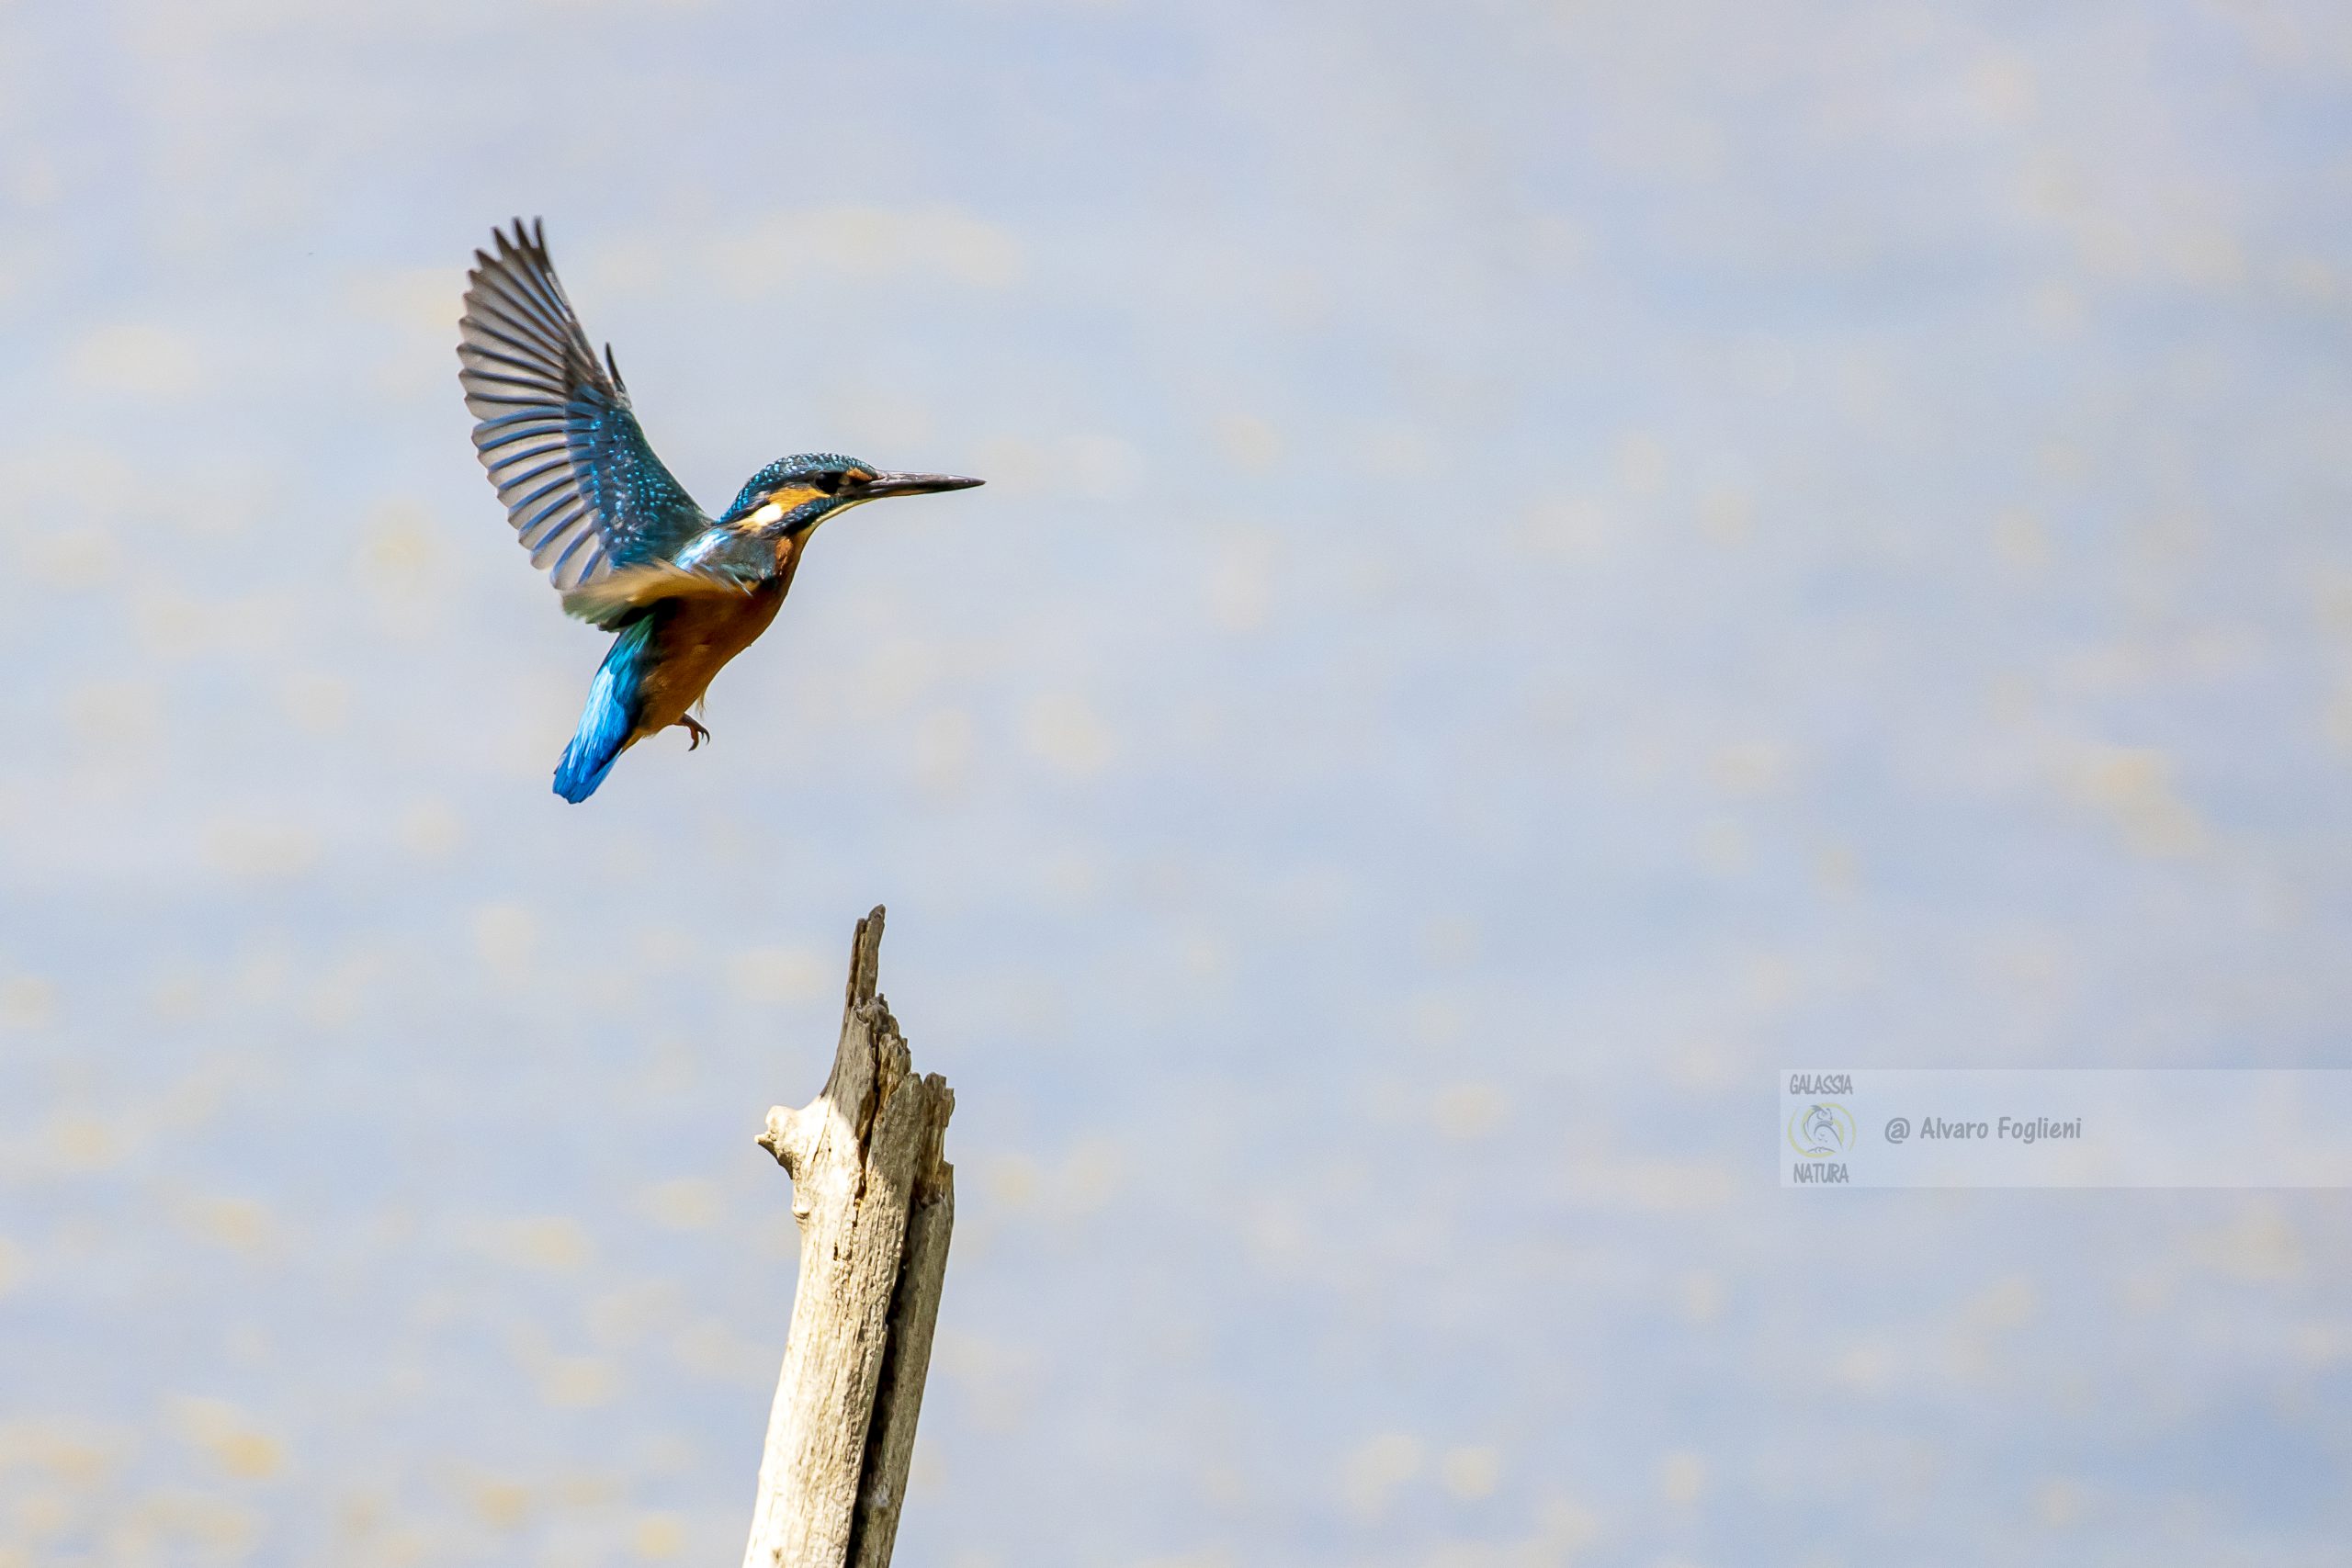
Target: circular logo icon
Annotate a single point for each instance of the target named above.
(1898, 1129)
(1822, 1131)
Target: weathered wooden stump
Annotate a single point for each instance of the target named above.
(875, 1203)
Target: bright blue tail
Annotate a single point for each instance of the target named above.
(611, 713)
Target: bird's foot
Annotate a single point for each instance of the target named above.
(694, 729)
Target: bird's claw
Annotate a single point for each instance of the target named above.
(694, 729)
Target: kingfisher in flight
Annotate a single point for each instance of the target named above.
(625, 546)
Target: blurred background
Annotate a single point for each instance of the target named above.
(1542, 563)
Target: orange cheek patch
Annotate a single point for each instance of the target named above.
(777, 506)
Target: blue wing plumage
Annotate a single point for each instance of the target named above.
(582, 486)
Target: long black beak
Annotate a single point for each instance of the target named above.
(917, 484)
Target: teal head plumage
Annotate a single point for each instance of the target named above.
(619, 536)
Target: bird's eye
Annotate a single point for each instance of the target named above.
(825, 484)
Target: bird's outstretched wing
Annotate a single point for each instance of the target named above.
(584, 489)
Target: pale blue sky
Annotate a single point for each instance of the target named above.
(1541, 564)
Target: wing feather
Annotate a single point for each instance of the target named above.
(617, 597)
(553, 426)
